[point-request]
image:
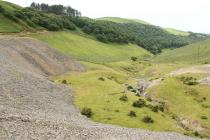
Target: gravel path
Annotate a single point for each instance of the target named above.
(34, 108)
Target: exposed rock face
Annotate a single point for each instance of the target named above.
(32, 107)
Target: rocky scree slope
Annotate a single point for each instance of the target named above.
(33, 107)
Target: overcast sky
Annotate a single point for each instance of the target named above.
(188, 15)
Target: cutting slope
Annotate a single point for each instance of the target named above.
(32, 107)
(36, 56)
(196, 53)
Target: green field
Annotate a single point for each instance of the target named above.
(85, 48)
(197, 53)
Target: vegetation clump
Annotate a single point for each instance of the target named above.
(139, 103)
(87, 112)
(124, 98)
(129, 88)
(133, 58)
(155, 108)
(147, 119)
(204, 117)
(132, 114)
(64, 82)
(101, 79)
(189, 80)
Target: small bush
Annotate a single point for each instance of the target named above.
(109, 118)
(205, 106)
(87, 112)
(133, 58)
(133, 90)
(64, 82)
(204, 117)
(139, 103)
(155, 108)
(101, 79)
(132, 114)
(124, 98)
(161, 108)
(117, 110)
(196, 133)
(1, 9)
(129, 87)
(189, 80)
(147, 119)
(149, 99)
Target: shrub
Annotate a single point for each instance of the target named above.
(204, 117)
(196, 133)
(129, 87)
(1, 9)
(124, 98)
(101, 79)
(147, 119)
(155, 108)
(149, 99)
(161, 107)
(132, 114)
(117, 110)
(133, 58)
(64, 82)
(68, 24)
(189, 80)
(87, 112)
(139, 103)
(133, 90)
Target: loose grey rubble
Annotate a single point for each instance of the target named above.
(34, 108)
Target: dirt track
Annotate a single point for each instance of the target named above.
(32, 107)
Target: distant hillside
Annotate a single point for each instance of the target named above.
(197, 53)
(122, 31)
(122, 20)
(177, 32)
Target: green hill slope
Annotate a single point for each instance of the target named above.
(87, 49)
(177, 32)
(122, 20)
(196, 53)
(7, 25)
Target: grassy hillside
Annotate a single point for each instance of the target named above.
(122, 20)
(187, 104)
(8, 26)
(86, 48)
(177, 32)
(9, 6)
(197, 53)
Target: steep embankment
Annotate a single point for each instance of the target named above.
(32, 107)
(197, 53)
